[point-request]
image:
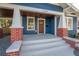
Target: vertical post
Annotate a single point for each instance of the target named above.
(16, 28)
(55, 21)
(62, 28)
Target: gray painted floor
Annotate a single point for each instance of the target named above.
(45, 45)
(4, 44)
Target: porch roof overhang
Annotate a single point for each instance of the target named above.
(32, 9)
(69, 9)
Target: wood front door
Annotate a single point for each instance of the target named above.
(41, 26)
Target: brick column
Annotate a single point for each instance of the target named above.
(13, 53)
(16, 34)
(62, 29)
(62, 32)
(16, 28)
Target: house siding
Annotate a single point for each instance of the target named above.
(72, 33)
(46, 6)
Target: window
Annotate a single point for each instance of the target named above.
(30, 23)
(69, 23)
(5, 23)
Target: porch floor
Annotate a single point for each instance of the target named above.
(4, 44)
(38, 37)
(45, 45)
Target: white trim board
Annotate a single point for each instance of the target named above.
(26, 8)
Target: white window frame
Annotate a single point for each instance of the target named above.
(33, 23)
(71, 23)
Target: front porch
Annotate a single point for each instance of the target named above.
(51, 24)
(30, 22)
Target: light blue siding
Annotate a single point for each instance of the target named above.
(42, 6)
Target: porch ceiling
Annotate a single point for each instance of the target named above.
(6, 12)
(27, 13)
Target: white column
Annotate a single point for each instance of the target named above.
(16, 22)
(55, 27)
(62, 22)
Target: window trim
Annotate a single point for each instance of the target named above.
(33, 23)
(71, 23)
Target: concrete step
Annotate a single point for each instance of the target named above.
(42, 46)
(47, 51)
(41, 41)
(45, 46)
(61, 52)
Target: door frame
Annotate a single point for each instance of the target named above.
(38, 25)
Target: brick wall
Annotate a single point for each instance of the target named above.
(70, 42)
(16, 53)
